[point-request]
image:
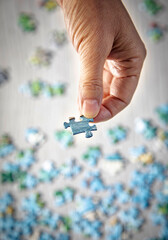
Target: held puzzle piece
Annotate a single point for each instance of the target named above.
(81, 126)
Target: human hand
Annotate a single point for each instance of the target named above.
(111, 55)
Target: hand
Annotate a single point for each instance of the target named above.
(111, 55)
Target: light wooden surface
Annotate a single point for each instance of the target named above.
(17, 112)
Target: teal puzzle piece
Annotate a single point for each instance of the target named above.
(81, 126)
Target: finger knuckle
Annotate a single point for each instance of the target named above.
(92, 85)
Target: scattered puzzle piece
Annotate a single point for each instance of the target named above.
(160, 214)
(13, 173)
(33, 204)
(117, 134)
(25, 158)
(64, 196)
(35, 137)
(6, 145)
(162, 137)
(114, 232)
(27, 22)
(120, 193)
(49, 219)
(140, 154)
(131, 219)
(39, 88)
(5, 202)
(107, 207)
(92, 229)
(92, 155)
(114, 157)
(70, 169)
(80, 222)
(111, 165)
(41, 57)
(65, 138)
(151, 6)
(85, 204)
(146, 128)
(59, 37)
(48, 172)
(93, 181)
(156, 32)
(4, 76)
(81, 126)
(49, 5)
(28, 181)
(45, 236)
(162, 112)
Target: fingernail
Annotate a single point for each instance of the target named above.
(90, 108)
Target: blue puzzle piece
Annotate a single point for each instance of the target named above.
(81, 126)
(45, 236)
(4, 75)
(114, 232)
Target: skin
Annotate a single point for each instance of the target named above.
(111, 55)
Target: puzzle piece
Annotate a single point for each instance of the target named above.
(34, 136)
(81, 225)
(48, 172)
(33, 204)
(162, 112)
(45, 236)
(81, 126)
(37, 88)
(49, 5)
(107, 207)
(146, 128)
(70, 169)
(5, 201)
(27, 22)
(114, 232)
(84, 204)
(27, 181)
(59, 37)
(11, 173)
(25, 158)
(47, 218)
(151, 6)
(160, 214)
(93, 181)
(63, 196)
(41, 57)
(6, 145)
(141, 154)
(92, 155)
(63, 236)
(65, 138)
(117, 134)
(156, 32)
(4, 75)
(131, 219)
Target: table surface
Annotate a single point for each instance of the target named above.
(18, 112)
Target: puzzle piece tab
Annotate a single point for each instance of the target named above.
(81, 126)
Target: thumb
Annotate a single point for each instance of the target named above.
(91, 82)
